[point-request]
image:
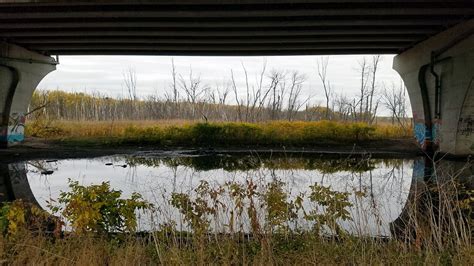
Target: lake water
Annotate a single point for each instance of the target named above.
(384, 184)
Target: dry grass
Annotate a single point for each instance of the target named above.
(41, 250)
(179, 132)
(92, 129)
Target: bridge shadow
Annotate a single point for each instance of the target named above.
(14, 183)
(440, 203)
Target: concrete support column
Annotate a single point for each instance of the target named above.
(20, 72)
(438, 74)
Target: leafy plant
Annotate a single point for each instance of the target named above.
(279, 209)
(18, 216)
(196, 212)
(98, 208)
(334, 203)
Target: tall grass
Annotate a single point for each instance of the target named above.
(297, 250)
(275, 133)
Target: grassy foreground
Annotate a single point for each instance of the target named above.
(297, 250)
(431, 236)
(174, 133)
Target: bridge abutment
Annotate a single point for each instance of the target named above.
(438, 74)
(21, 71)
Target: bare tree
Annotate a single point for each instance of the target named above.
(130, 82)
(364, 72)
(342, 106)
(296, 86)
(395, 100)
(236, 95)
(371, 109)
(258, 94)
(247, 93)
(263, 95)
(193, 90)
(366, 106)
(223, 93)
(322, 65)
(277, 91)
(172, 96)
(174, 84)
(255, 95)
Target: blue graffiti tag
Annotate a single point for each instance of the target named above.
(420, 132)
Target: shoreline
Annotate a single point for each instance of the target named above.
(34, 148)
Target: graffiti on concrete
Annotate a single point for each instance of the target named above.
(466, 126)
(420, 133)
(419, 129)
(16, 127)
(423, 134)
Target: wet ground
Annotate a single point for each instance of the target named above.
(40, 149)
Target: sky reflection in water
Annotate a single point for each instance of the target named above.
(385, 183)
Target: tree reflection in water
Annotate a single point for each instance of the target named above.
(377, 186)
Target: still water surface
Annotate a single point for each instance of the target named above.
(385, 183)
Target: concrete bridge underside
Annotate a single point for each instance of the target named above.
(433, 40)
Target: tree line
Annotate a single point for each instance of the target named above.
(272, 95)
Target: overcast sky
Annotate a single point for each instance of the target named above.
(104, 74)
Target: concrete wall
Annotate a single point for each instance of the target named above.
(20, 72)
(453, 131)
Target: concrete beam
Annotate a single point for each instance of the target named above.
(223, 23)
(226, 19)
(444, 117)
(220, 47)
(406, 39)
(236, 32)
(266, 11)
(20, 72)
(227, 53)
(213, 2)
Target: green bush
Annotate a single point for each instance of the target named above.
(205, 133)
(98, 208)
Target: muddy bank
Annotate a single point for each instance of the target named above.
(40, 149)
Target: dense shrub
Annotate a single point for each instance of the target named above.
(98, 208)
